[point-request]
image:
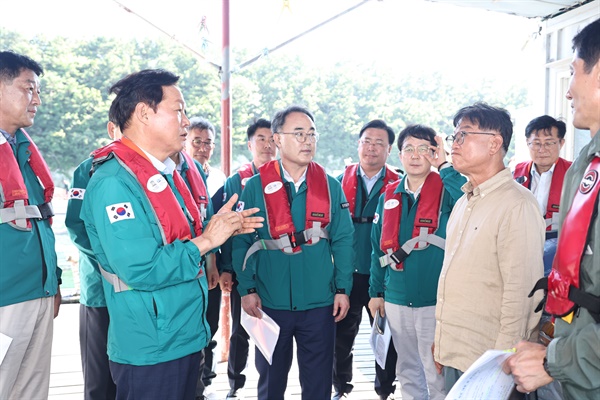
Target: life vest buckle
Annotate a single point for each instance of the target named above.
(46, 210)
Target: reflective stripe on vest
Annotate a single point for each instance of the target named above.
(16, 210)
(350, 186)
(279, 215)
(425, 226)
(522, 175)
(563, 280)
(197, 186)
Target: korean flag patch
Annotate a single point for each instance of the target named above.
(120, 212)
(76, 193)
(376, 218)
(240, 206)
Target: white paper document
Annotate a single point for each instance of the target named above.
(484, 380)
(264, 332)
(380, 339)
(4, 344)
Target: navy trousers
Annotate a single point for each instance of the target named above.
(174, 379)
(238, 342)
(346, 331)
(314, 332)
(93, 333)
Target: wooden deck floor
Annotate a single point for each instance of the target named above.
(66, 381)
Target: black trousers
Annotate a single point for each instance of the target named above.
(238, 342)
(93, 333)
(346, 331)
(207, 370)
(174, 379)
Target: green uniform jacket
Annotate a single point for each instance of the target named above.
(305, 280)
(91, 291)
(162, 317)
(28, 267)
(574, 356)
(233, 185)
(416, 286)
(362, 232)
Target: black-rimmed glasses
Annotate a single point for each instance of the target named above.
(459, 137)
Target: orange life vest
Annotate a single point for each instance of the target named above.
(564, 294)
(173, 223)
(279, 214)
(350, 186)
(197, 186)
(425, 226)
(246, 172)
(16, 210)
(522, 175)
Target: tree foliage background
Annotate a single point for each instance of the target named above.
(72, 119)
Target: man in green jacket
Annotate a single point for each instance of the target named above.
(145, 231)
(363, 183)
(93, 314)
(262, 147)
(29, 274)
(573, 356)
(409, 287)
(299, 267)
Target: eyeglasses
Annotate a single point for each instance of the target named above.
(200, 143)
(421, 150)
(459, 137)
(301, 136)
(263, 140)
(536, 146)
(367, 142)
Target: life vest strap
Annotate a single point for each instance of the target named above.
(362, 220)
(19, 213)
(287, 243)
(576, 295)
(116, 282)
(395, 259)
(552, 222)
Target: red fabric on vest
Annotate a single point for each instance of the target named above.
(246, 172)
(558, 176)
(197, 186)
(12, 185)
(572, 242)
(427, 216)
(168, 210)
(350, 183)
(279, 213)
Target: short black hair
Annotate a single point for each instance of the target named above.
(417, 131)
(488, 118)
(379, 124)
(278, 119)
(12, 64)
(258, 123)
(587, 45)
(201, 124)
(145, 86)
(545, 123)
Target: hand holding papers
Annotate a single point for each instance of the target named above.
(380, 339)
(263, 331)
(484, 380)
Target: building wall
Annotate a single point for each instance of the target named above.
(558, 33)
